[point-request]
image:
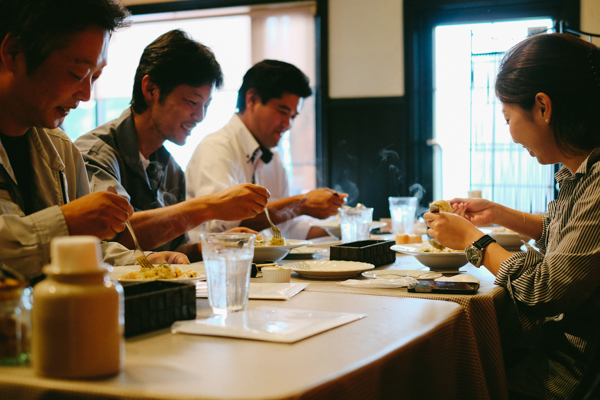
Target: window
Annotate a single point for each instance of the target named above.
(239, 37)
(475, 150)
(423, 132)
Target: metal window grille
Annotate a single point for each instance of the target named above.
(500, 168)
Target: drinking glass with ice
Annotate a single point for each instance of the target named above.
(355, 223)
(228, 260)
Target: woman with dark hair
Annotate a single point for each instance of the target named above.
(549, 86)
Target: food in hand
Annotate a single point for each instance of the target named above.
(161, 271)
(442, 205)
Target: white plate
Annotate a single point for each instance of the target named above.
(506, 238)
(433, 260)
(276, 253)
(261, 290)
(326, 269)
(117, 272)
(396, 273)
(333, 227)
(302, 253)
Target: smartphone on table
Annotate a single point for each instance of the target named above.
(452, 287)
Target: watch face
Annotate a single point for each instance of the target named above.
(473, 254)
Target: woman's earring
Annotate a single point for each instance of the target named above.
(546, 120)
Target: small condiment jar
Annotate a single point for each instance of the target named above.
(78, 314)
(15, 322)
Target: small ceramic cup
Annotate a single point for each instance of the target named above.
(276, 274)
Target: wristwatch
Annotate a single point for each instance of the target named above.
(475, 251)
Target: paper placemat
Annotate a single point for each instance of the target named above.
(283, 325)
(262, 291)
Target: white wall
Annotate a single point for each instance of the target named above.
(590, 18)
(366, 48)
(366, 54)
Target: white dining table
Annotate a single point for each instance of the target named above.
(403, 348)
(483, 309)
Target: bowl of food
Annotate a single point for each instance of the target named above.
(506, 238)
(160, 272)
(265, 249)
(433, 258)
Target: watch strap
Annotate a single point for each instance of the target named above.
(483, 242)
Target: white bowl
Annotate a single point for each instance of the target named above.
(276, 275)
(276, 253)
(506, 238)
(433, 260)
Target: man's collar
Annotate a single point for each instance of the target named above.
(128, 144)
(249, 143)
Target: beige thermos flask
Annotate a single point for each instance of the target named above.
(78, 314)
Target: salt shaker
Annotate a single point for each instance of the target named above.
(78, 314)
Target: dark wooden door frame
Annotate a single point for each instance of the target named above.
(420, 19)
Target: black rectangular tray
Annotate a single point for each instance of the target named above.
(376, 252)
(155, 305)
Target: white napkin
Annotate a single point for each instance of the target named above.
(459, 278)
(269, 324)
(262, 290)
(380, 282)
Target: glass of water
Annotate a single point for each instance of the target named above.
(228, 261)
(403, 211)
(355, 223)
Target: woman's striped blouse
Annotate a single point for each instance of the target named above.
(557, 289)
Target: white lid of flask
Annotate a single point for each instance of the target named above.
(474, 194)
(75, 255)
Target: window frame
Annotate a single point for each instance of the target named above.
(420, 19)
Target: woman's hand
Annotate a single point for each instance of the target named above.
(478, 211)
(451, 230)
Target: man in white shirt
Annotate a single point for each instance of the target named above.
(172, 89)
(269, 99)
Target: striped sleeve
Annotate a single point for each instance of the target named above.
(565, 272)
(542, 242)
